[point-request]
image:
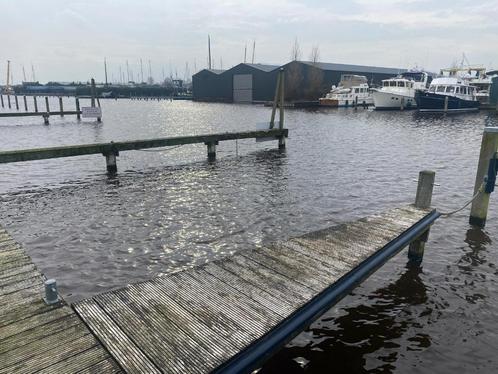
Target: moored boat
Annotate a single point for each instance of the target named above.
(353, 90)
(399, 92)
(448, 94)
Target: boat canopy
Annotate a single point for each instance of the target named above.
(350, 80)
(417, 76)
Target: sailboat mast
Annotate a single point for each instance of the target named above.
(8, 76)
(253, 49)
(209, 52)
(24, 74)
(105, 70)
(142, 70)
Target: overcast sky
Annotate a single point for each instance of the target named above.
(67, 40)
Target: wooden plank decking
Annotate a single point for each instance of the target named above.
(35, 337)
(197, 320)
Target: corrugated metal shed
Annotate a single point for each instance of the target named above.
(353, 68)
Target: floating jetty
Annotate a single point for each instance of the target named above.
(226, 316)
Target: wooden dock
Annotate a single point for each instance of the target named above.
(231, 315)
(35, 337)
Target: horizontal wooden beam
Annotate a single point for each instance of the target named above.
(39, 114)
(116, 147)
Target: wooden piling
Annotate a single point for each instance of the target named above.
(1, 98)
(8, 101)
(46, 105)
(25, 103)
(211, 150)
(489, 146)
(111, 164)
(45, 118)
(35, 103)
(61, 108)
(282, 99)
(422, 200)
(78, 114)
(17, 102)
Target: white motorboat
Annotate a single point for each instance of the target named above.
(353, 90)
(399, 92)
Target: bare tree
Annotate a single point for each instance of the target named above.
(315, 54)
(296, 51)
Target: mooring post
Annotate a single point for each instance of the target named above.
(275, 101)
(1, 98)
(17, 102)
(422, 200)
(35, 104)
(45, 118)
(489, 146)
(211, 150)
(8, 101)
(446, 104)
(281, 139)
(110, 159)
(94, 95)
(25, 103)
(78, 114)
(61, 108)
(46, 105)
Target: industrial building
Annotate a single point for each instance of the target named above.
(256, 82)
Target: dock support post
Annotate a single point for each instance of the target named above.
(422, 200)
(46, 104)
(25, 103)
(61, 108)
(446, 104)
(281, 142)
(78, 114)
(17, 102)
(1, 98)
(35, 103)
(211, 150)
(8, 101)
(111, 162)
(94, 95)
(45, 118)
(489, 145)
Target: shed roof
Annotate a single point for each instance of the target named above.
(263, 67)
(353, 68)
(213, 71)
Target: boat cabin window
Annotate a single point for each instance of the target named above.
(432, 89)
(464, 90)
(450, 89)
(356, 90)
(457, 90)
(471, 90)
(392, 83)
(401, 84)
(440, 89)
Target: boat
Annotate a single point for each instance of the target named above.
(399, 92)
(448, 94)
(352, 90)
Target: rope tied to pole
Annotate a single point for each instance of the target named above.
(479, 191)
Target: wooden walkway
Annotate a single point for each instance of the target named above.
(207, 318)
(35, 337)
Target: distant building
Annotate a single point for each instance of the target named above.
(256, 82)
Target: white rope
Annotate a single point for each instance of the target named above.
(479, 191)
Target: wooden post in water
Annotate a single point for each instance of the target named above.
(46, 105)
(78, 114)
(489, 146)
(17, 102)
(1, 98)
(446, 104)
(47, 114)
(275, 102)
(35, 104)
(94, 94)
(211, 150)
(61, 108)
(25, 103)
(422, 200)
(8, 101)
(281, 140)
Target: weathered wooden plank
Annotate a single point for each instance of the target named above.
(32, 322)
(39, 333)
(27, 283)
(13, 271)
(37, 363)
(37, 348)
(204, 333)
(19, 277)
(162, 341)
(82, 359)
(21, 297)
(20, 312)
(279, 306)
(265, 278)
(107, 366)
(121, 347)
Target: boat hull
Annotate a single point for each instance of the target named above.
(345, 102)
(392, 101)
(433, 102)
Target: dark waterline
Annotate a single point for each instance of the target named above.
(167, 211)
